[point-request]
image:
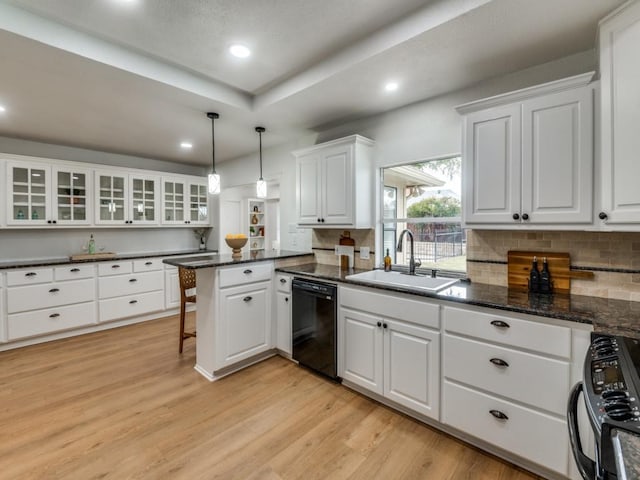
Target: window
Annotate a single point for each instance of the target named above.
(425, 198)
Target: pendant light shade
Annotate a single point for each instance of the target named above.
(261, 185)
(213, 178)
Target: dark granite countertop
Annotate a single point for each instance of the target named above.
(616, 317)
(220, 260)
(49, 262)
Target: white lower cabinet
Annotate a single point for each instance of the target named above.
(524, 431)
(172, 288)
(506, 381)
(392, 357)
(128, 289)
(244, 324)
(48, 300)
(283, 314)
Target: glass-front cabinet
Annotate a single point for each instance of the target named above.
(143, 199)
(111, 195)
(198, 204)
(174, 201)
(71, 196)
(126, 198)
(28, 192)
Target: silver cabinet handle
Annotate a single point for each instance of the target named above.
(246, 299)
(498, 362)
(54, 290)
(500, 324)
(54, 315)
(498, 414)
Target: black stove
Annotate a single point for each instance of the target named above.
(611, 391)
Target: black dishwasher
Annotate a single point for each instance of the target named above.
(314, 325)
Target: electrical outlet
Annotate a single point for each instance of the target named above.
(364, 253)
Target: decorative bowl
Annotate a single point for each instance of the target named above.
(236, 245)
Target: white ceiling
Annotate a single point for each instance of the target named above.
(137, 76)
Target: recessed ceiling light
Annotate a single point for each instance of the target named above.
(186, 145)
(239, 51)
(391, 86)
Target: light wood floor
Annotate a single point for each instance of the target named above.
(123, 404)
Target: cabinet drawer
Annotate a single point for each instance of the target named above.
(532, 335)
(538, 381)
(541, 438)
(131, 305)
(32, 297)
(147, 265)
(39, 322)
(29, 276)
(283, 283)
(114, 268)
(401, 308)
(74, 272)
(116, 286)
(251, 272)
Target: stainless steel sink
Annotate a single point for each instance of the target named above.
(398, 279)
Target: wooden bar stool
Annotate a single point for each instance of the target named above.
(187, 279)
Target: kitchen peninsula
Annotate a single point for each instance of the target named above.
(233, 313)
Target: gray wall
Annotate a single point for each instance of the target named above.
(424, 130)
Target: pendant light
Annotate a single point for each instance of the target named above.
(261, 185)
(213, 178)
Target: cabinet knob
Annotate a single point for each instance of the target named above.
(286, 299)
(318, 220)
(55, 221)
(322, 220)
(499, 324)
(49, 221)
(384, 325)
(498, 414)
(498, 362)
(246, 299)
(525, 216)
(602, 216)
(516, 216)
(282, 280)
(379, 324)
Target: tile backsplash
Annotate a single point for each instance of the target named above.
(323, 242)
(614, 257)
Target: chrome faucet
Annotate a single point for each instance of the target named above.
(413, 263)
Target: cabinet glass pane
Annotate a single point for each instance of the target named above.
(20, 175)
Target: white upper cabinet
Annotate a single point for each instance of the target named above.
(528, 156)
(334, 184)
(41, 194)
(28, 193)
(124, 198)
(72, 195)
(619, 39)
(185, 201)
